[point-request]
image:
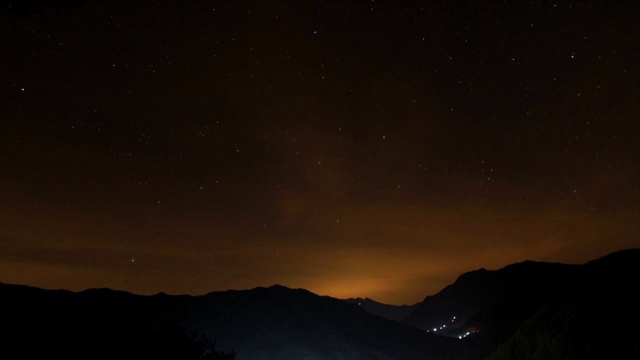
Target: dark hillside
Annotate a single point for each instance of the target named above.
(596, 318)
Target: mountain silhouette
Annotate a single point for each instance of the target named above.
(596, 317)
(489, 307)
(494, 303)
(262, 323)
(528, 310)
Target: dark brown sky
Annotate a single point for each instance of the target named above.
(352, 148)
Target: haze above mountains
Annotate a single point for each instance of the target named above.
(523, 311)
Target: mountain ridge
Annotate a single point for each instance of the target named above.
(262, 323)
(502, 313)
(491, 305)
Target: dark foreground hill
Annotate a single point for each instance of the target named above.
(596, 318)
(263, 323)
(493, 303)
(536, 305)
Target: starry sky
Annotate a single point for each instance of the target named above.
(353, 148)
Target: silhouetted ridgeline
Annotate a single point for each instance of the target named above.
(595, 318)
(529, 310)
(94, 324)
(494, 303)
(263, 323)
(573, 310)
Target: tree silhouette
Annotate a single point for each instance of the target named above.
(176, 342)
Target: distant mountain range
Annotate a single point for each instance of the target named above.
(529, 310)
(391, 312)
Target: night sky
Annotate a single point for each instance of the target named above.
(353, 148)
